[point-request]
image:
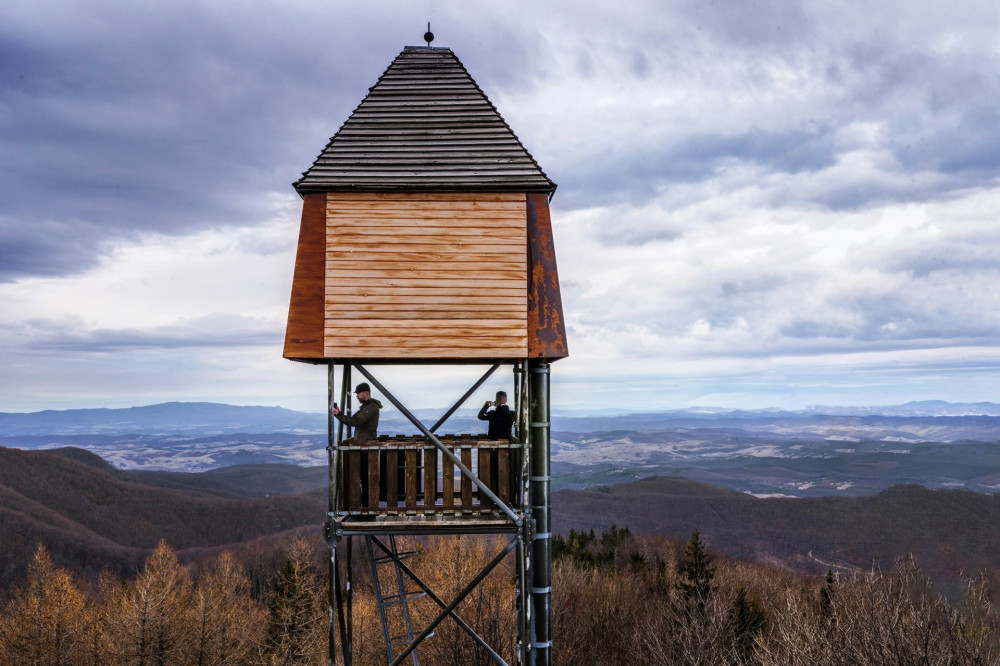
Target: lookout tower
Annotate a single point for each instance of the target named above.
(426, 239)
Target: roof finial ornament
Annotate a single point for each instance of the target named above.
(428, 36)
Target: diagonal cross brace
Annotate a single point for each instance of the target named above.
(430, 593)
(458, 599)
(483, 488)
(465, 397)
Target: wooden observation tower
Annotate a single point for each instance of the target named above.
(426, 239)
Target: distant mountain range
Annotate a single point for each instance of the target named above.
(209, 418)
(169, 418)
(858, 451)
(917, 408)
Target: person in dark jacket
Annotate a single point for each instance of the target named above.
(500, 418)
(365, 424)
(365, 420)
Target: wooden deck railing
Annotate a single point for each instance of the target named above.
(410, 475)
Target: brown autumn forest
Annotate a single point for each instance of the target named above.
(239, 578)
(617, 599)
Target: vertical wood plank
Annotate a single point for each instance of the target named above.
(515, 478)
(373, 456)
(430, 477)
(412, 478)
(448, 482)
(353, 473)
(485, 476)
(503, 475)
(391, 479)
(466, 481)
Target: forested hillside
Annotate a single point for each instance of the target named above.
(92, 517)
(950, 532)
(617, 599)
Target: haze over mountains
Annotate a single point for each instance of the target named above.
(191, 472)
(820, 451)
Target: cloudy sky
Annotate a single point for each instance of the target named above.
(760, 203)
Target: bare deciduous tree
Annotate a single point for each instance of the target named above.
(148, 621)
(48, 623)
(225, 620)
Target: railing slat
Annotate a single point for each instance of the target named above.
(352, 468)
(503, 475)
(391, 479)
(485, 475)
(412, 478)
(430, 478)
(373, 493)
(448, 483)
(466, 481)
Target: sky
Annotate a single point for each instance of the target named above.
(761, 203)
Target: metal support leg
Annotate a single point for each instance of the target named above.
(522, 593)
(541, 542)
(335, 601)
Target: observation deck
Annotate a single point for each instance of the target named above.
(406, 485)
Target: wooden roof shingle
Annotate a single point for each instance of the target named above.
(425, 126)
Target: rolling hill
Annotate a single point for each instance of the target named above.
(93, 517)
(949, 532)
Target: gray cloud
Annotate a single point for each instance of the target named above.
(122, 121)
(740, 179)
(45, 247)
(174, 125)
(71, 335)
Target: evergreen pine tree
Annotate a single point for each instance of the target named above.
(695, 573)
(826, 595)
(296, 617)
(748, 620)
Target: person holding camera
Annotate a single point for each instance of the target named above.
(365, 420)
(500, 417)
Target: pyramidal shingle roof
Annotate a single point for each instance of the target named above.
(425, 126)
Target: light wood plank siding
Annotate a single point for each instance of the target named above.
(426, 276)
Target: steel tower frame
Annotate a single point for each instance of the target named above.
(526, 524)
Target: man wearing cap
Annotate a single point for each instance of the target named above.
(365, 420)
(500, 417)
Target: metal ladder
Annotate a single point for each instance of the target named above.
(399, 598)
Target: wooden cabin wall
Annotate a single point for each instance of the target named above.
(546, 324)
(425, 276)
(304, 332)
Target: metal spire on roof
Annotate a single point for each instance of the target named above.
(428, 36)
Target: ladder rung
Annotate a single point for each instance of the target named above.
(403, 640)
(395, 599)
(385, 559)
